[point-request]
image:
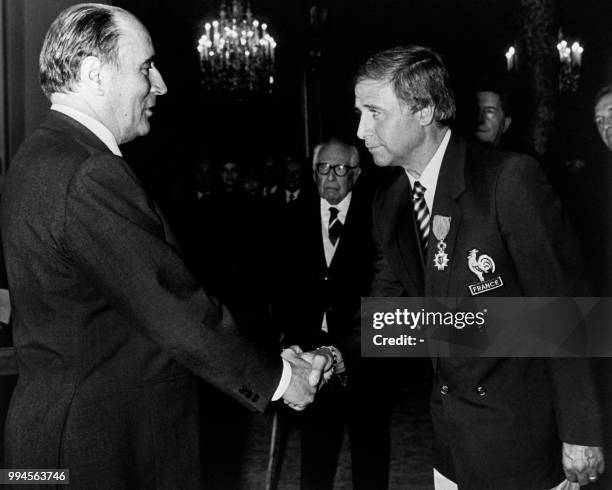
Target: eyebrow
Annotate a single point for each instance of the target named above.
(149, 60)
(369, 107)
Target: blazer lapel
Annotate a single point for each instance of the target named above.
(451, 184)
(58, 121)
(400, 235)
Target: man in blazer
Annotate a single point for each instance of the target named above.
(324, 270)
(501, 423)
(109, 326)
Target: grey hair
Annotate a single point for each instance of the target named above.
(87, 29)
(350, 149)
(418, 76)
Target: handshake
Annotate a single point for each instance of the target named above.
(309, 372)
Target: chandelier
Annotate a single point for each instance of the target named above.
(570, 60)
(570, 63)
(237, 52)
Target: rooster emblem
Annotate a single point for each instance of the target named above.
(483, 264)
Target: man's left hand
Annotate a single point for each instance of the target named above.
(582, 464)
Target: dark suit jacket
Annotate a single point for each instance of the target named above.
(500, 422)
(109, 327)
(307, 288)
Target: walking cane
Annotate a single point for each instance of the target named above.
(272, 453)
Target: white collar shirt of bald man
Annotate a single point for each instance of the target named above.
(429, 177)
(291, 196)
(328, 247)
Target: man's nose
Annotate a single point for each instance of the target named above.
(481, 116)
(331, 175)
(158, 86)
(364, 127)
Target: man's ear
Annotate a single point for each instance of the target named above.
(507, 122)
(426, 115)
(91, 75)
(356, 174)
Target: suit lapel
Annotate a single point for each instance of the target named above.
(57, 121)
(451, 184)
(316, 226)
(399, 233)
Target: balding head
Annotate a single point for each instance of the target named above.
(83, 30)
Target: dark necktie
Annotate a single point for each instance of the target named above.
(421, 214)
(334, 227)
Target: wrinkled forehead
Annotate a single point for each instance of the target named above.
(334, 154)
(487, 98)
(369, 87)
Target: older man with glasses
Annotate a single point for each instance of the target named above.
(324, 270)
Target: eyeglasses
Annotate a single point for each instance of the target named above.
(340, 170)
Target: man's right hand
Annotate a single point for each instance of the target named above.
(300, 392)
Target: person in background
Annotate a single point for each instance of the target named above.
(603, 115)
(323, 271)
(494, 113)
(270, 176)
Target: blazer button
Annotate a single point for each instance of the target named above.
(326, 278)
(444, 390)
(481, 390)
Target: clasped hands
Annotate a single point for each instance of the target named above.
(582, 464)
(309, 371)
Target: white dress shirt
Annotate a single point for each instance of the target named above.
(342, 207)
(328, 247)
(429, 177)
(291, 196)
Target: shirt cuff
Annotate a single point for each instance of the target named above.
(284, 381)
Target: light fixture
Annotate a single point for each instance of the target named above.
(511, 58)
(570, 62)
(237, 53)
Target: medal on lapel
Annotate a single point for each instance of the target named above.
(440, 228)
(481, 265)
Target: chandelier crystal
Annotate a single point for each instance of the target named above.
(237, 52)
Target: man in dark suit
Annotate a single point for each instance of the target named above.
(501, 423)
(325, 269)
(109, 326)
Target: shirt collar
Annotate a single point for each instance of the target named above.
(429, 177)
(95, 126)
(295, 194)
(342, 207)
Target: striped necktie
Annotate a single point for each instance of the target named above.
(334, 228)
(421, 213)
